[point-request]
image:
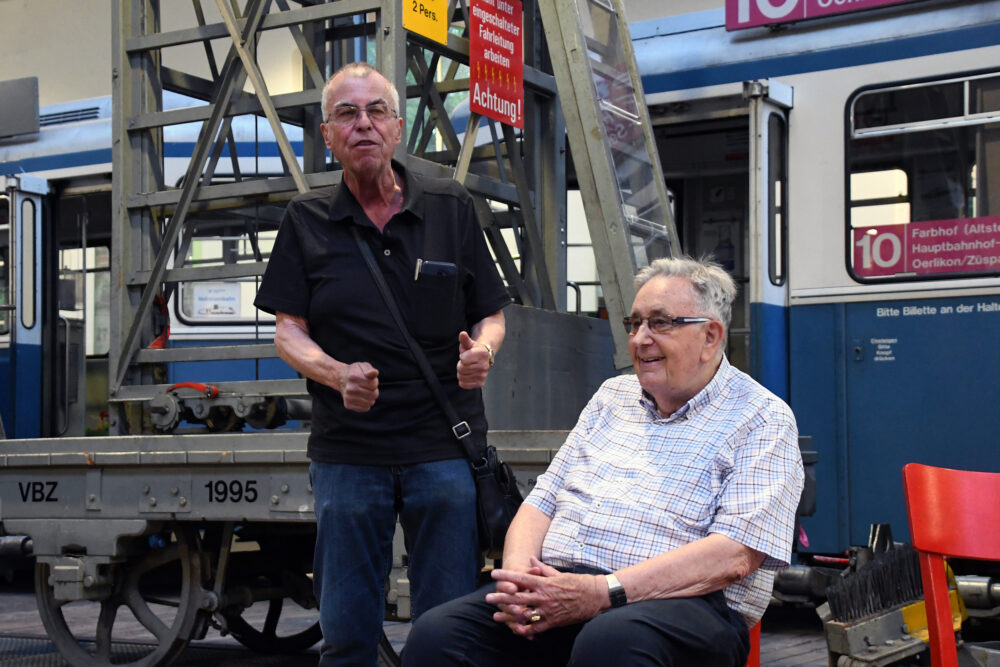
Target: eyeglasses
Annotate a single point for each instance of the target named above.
(659, 324)
(346, 113)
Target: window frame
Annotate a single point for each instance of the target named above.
(258, 319)
(850, 134)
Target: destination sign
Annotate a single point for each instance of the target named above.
(969, 245)
(742, 14)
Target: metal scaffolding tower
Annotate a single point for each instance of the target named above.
(517, 177)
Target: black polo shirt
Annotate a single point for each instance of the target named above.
(317, 272)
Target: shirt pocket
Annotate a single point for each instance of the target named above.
(682, 496)
(436, 304)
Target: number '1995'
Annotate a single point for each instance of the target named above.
(232, 491)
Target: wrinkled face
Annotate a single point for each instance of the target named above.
(675, 365)
(363, 147)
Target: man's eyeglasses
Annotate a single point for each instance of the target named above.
(348, 114)
(659, 324)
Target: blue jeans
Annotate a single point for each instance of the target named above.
(356, 510)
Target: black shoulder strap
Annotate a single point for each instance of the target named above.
(460, 428)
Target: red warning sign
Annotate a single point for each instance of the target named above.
(496, 64)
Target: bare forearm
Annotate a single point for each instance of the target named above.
(558, 598)
(297, 349)
(698, 568)
(490, 330)
(525, 537)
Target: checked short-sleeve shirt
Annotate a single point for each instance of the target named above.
(629, 484)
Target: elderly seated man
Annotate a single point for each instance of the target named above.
(654, 536)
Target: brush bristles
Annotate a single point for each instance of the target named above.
(889, 580)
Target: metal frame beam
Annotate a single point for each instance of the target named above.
(589, 42)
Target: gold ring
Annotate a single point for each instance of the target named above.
(535, 617)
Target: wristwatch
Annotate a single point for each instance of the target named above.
(616, 591)
(489, 348)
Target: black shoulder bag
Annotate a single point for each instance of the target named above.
(497, 495)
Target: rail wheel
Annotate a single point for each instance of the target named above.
(269, 602)
(270, 606)
(160, 587)
(268, 639)
(279, 631)
(387, 656)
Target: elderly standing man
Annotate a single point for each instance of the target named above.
(655, 533)
(379, 444)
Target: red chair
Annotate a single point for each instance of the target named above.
(952, 513)
(753, 660)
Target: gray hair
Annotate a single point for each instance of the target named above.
(360, 70)
(714, 290)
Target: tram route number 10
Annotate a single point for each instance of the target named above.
(232, 491)
(880, 253)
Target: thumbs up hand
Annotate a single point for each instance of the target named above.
(473, 362)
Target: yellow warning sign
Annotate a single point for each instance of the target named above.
(428, 18)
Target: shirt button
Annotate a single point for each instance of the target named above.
(386, 252)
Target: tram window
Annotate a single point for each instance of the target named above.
(922, 162)
(777, 219)
(26, 283)
(581, 266)
(879, 198)
(972, 189)
(224, 300)
(4, 264)
(85, 290)
(984, 95)
(4, 288)
(908, 105)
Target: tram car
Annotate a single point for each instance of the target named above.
(839, 158)
(842, 167)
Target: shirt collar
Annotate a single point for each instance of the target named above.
(697, 402)
(344, 206)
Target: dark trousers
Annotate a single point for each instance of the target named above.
(681, 632)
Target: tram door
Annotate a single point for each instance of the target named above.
(47, 277)
(80, 299)
(6, 308)
(724, 157)
(21, 317)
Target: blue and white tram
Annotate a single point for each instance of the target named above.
(847, 170)
(55, 235)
